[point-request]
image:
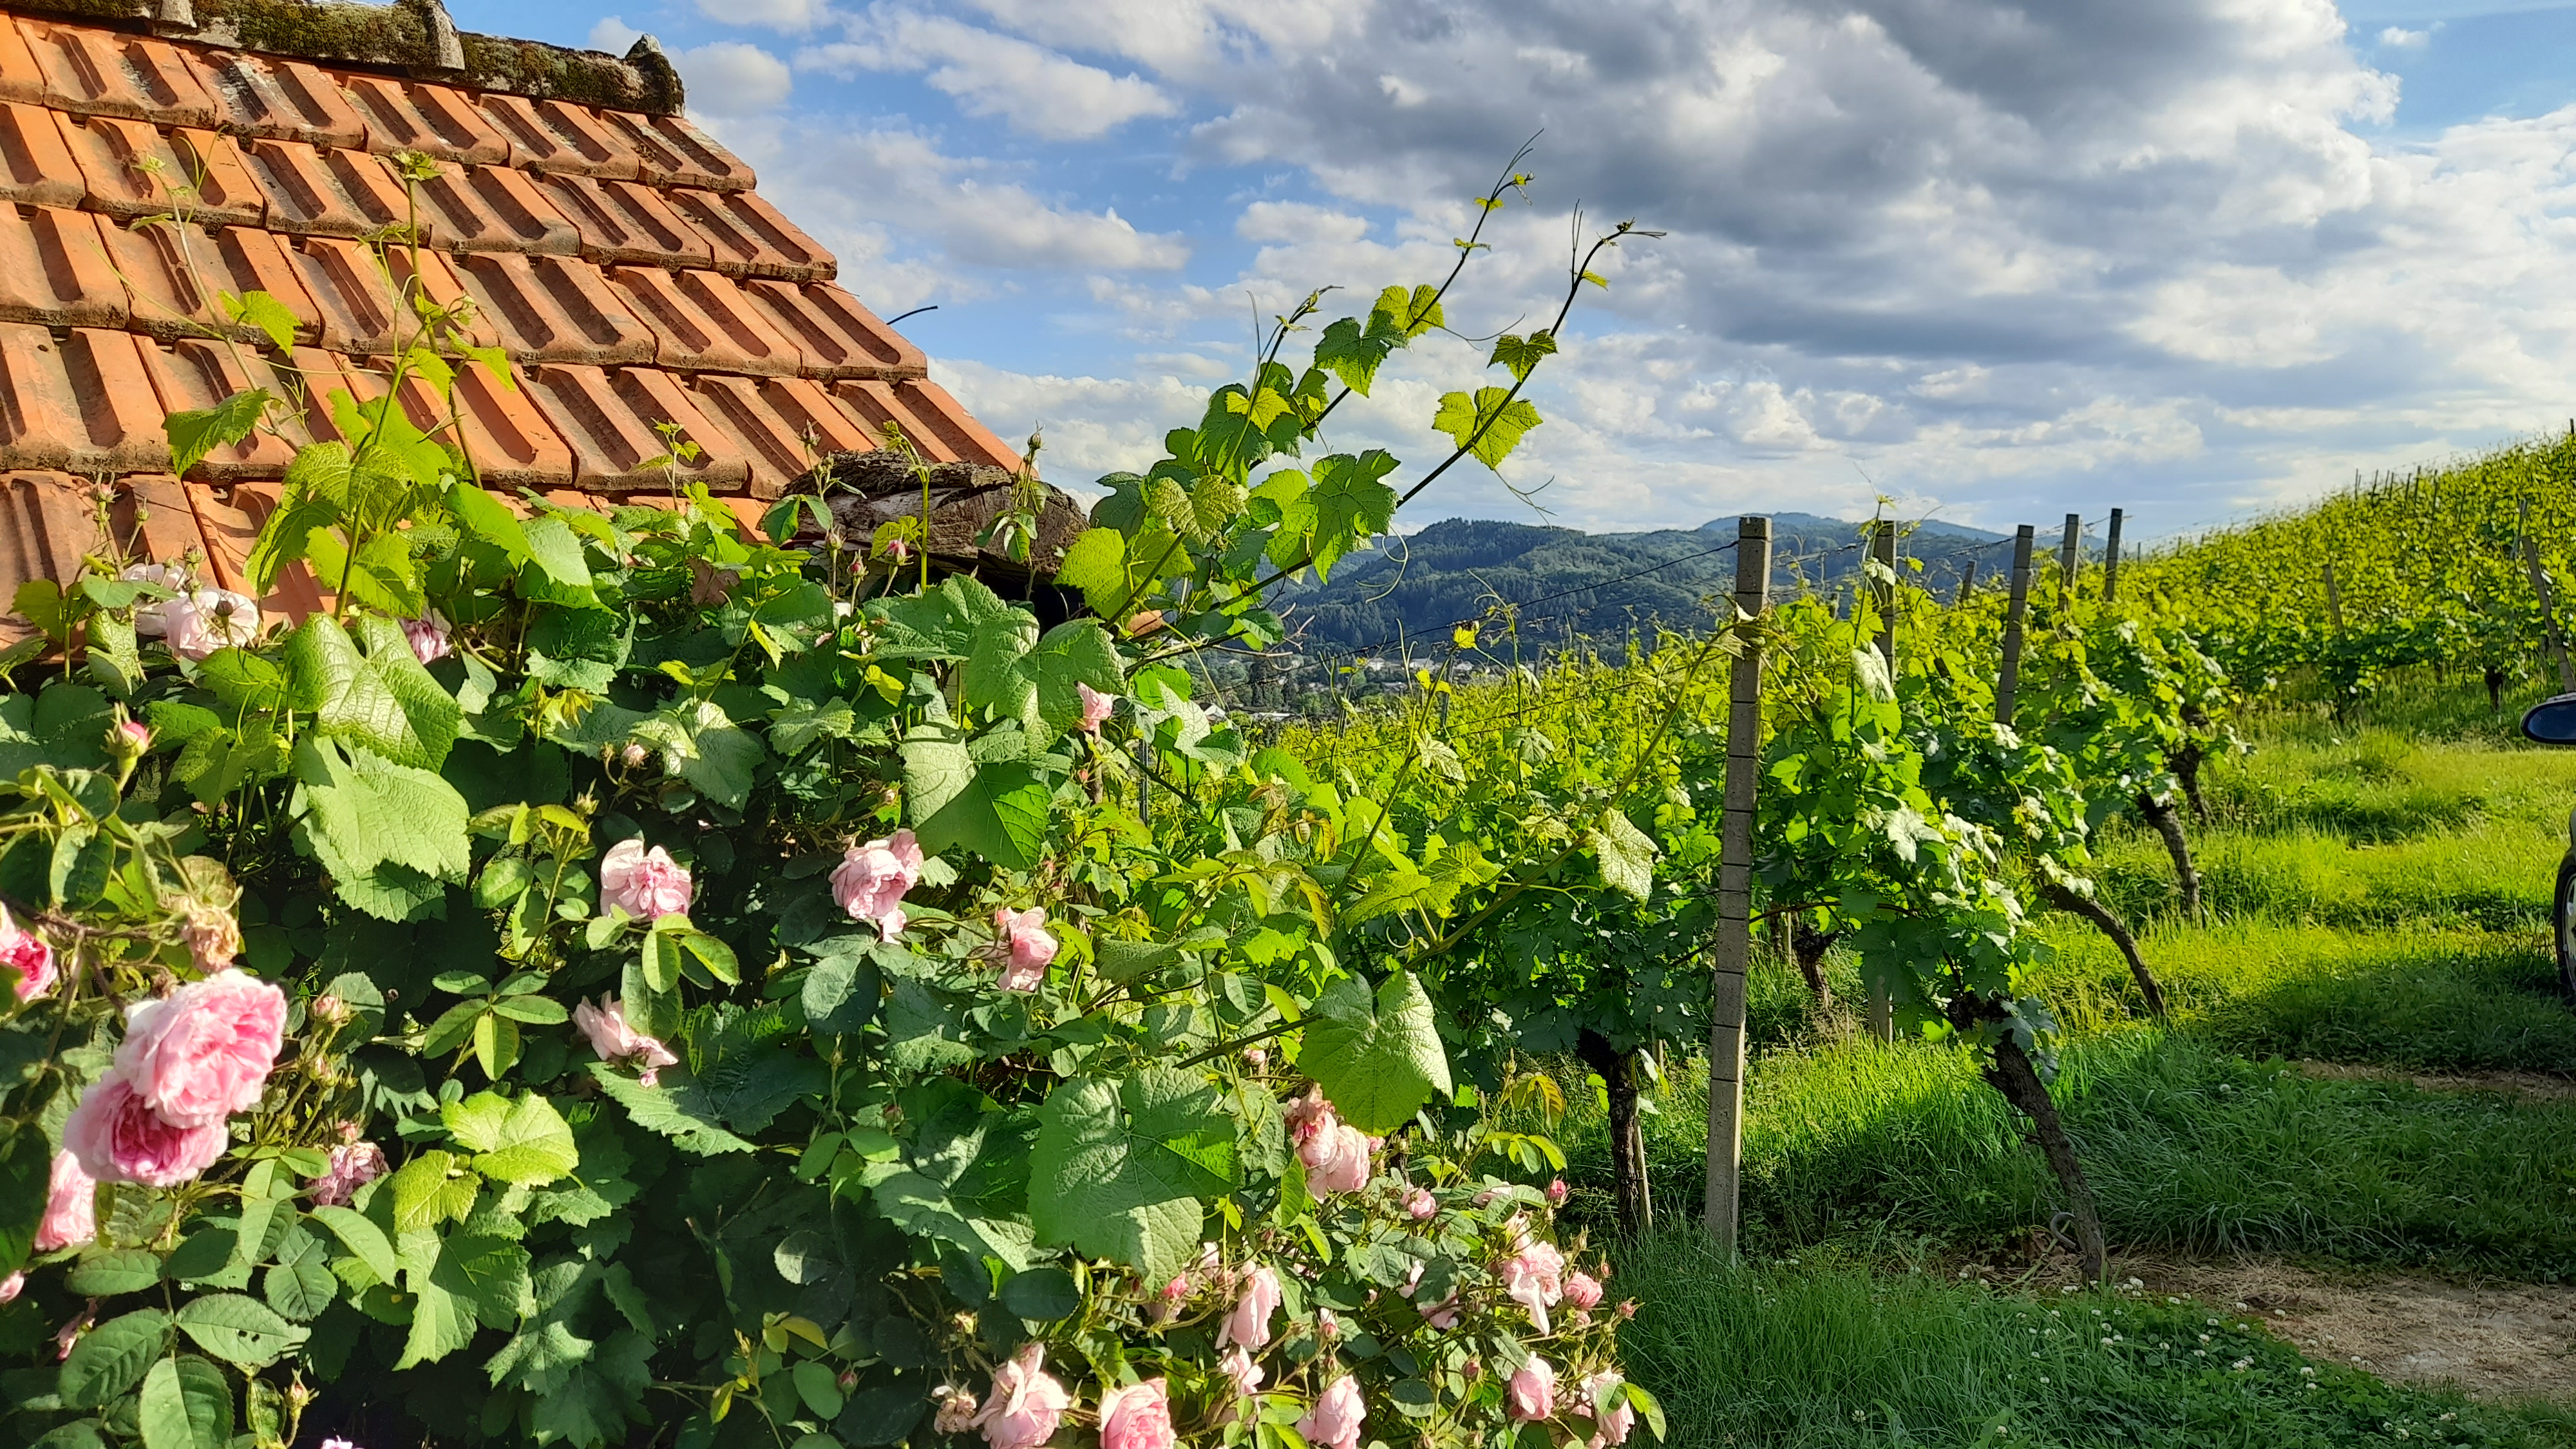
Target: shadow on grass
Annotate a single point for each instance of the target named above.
(1831, 1353)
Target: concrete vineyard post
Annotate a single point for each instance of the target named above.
(1732, 947)
(2008, 681)
(2111, 560)
(2548, 604)
(1882, 585)
(2069, 554)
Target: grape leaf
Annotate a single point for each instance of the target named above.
(1378, 1061)
(195, 434)
(1493, 419)
(1119, 1167)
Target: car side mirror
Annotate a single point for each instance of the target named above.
(2552, 721)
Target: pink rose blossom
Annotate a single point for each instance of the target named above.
(151, 621)
(1095, 706)
(204, 1051)
(1138, 1416)
(71, 1207)
(11, 1285)
(199, 623)
(27, 956)
(871, 880)
(617, 1042)
(1345, 1167)
(1628, 1309)
(1582, 1291)
(1023, 935)
(117, 1138)
(1249, 1321)
(1335, 1420)
(1617, 1421)
(1534, 1277)
(353, 1166)
(1556, 1191)
(1237, 1365)
(1026, 1403)
(1531, 1395)
(428, 638)
(68, 1337)
(137, 734)
(1419, 1204)
(645, 884)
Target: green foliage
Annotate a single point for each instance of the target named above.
(675, 1146)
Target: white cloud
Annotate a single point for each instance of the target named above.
(2014, 258)
(792, 16)
(613, 34)
(1036, 90)
(730, 78)
(845, 179)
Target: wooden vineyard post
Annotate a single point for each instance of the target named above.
(2008, 681)
(2069, 554)
(1967, 584)
(1882, 586)
(1732, 947)
(2334, 601)
(2548, 604)
(2111, 561)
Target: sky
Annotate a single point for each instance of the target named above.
(1998, 262)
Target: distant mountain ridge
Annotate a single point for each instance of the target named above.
(1596, 587)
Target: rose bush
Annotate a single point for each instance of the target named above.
(624, 978)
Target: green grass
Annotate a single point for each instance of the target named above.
(2189, 1147)
(1836, 1353)
(2377, 896)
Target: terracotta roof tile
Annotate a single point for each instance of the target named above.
(608, 415)
(620, 221)
(837, 336)
(943, 431)
(85, 405)
(508, 438)
(35, 166)
(54, 269)
(194, 375)
(674, 153)
(46, 524)
(434, 120)
(172, 270)
(780, 426)
(89, 71)
(718, 315)
(364, 308)
(20, 77)
(751, 239)
(274, 99)
(555, 309)
(494, 209)
(129, 169)
(553, 136)
(311, 191)
(704, 322)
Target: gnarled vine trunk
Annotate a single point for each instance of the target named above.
(2495, 691)
(1808, 946)
(2168, 823)
(2186, 768)
(2110, 925)
(2016, 1076)
(1630, 1192)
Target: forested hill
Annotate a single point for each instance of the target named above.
(1596, 585)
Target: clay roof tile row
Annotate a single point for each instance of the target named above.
(621, 261)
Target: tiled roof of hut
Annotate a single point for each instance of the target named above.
(621, 257)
